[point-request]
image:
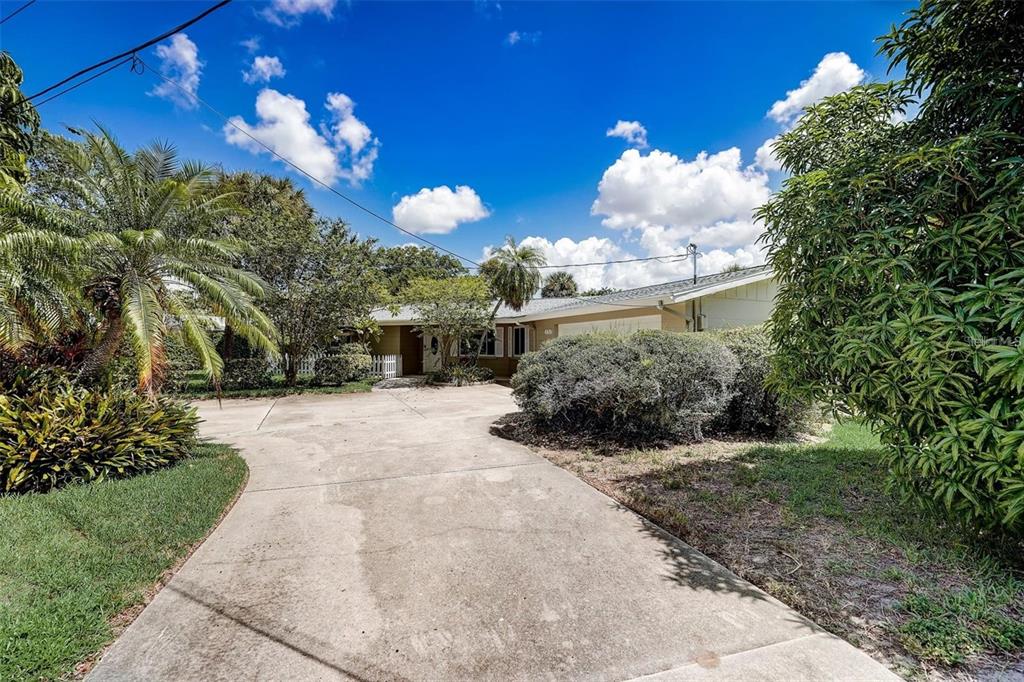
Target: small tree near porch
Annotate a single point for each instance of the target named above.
(450, 309)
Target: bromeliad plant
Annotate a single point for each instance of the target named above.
(135, 261)
(899, 249)
(55, 432)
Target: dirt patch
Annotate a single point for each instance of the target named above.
(806, 542)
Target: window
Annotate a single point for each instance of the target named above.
(520, 341)
(492, 345)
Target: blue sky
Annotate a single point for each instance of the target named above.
(470, 121)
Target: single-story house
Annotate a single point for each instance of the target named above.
(730, 299)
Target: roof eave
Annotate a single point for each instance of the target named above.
(689, 295)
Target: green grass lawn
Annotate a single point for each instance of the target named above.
(814, 525)
(72, 560)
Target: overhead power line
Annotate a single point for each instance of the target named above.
(132, 51)
(677, 256)
(17, 11)
(302, 170)
(351, 201)
(82, 82)
(227, 120)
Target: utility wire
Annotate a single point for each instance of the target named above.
(82, 82)
(302, 170)
(132, 51)
(621, 260)
(17, 11)
(355, 203)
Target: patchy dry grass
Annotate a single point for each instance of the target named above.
(813, 525)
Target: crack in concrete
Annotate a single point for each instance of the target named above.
(394, 478)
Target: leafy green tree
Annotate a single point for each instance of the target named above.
(399, 265)
(602, 291)
(559, 284)
(138, 266)
(898, 245)
(451, 309)
(19, 124)
(321, 280)
(513, 275)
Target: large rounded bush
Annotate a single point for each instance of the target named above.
(757, 408)
(351, 363)
(648, 384)
(54, 432)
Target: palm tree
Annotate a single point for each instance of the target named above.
(142, 269)
(513, 274)
(559, 284)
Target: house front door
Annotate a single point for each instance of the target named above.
(431, 354)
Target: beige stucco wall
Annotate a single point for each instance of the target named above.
(742, 306)
(389, 343)
(739, 307)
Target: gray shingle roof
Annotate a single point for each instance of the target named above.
(539, 306)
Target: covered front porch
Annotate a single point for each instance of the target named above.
(416, 354)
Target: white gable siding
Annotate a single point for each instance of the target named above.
(739, 307)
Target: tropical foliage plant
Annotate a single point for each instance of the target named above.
(513, 274)
(898, 244)
(135, 262)
(559, 284)
(55, 432)
(19, 123)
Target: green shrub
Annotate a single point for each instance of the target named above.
(651, 383)
(756, 408)
(246, 373)
(351, 363)
(182, 366)
(54, 432)
(898, 246)
(462, 374)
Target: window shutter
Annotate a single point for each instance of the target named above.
(499, 342)
(526, 340)
(455, 348)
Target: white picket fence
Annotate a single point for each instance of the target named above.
(386, 366)
(307, 365)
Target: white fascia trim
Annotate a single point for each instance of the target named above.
(716, 288)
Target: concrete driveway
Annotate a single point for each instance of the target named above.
(388, 536)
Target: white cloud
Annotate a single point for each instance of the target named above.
(284, 125)
(288, 13)
(524, 37)
(632, 132)
(263, 68)
(179, 61)
(566, 251)
(658, 204)
(765, 156)
(638, 191)
(252, 45)
(439, 210)
(835, 73)
(352, 138)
